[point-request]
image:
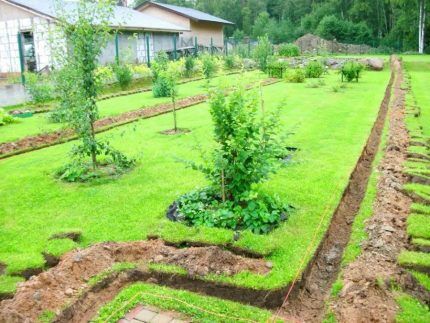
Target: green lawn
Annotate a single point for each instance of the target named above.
(39, 123)
(330, 130)
(192, 306)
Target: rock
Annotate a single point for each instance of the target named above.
(375, 64)
(69, 292)
(388, 228)
(269, 264)
(37, 296)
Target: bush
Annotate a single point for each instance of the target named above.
(295, 76)
(288, 50)
(209, 65)
(277, 68)
(6, 118)
(123, 74)
(39, 88)
(141, 71)
(161, 86)
(248, 150)
(314, 69)
(249, 64)
(105, 74)
(190, 64)
(351, 71)
(262, 52)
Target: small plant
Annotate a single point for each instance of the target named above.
(335, 88)
(209, 65)
(351, 71)
(288, 50)
(232, 62)
(161, 86)
(190, 64)
(6, 118)
(314, 69)
(277, 68)
(123, 74)
(142, 71)
(262, 52)
(295, 76)
(247, 152)
(39, 88)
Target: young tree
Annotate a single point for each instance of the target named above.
(85, 30)
(262, 52)
(172, 75)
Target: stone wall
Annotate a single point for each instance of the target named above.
(316, 45)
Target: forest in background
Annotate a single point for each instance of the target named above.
(388, 24)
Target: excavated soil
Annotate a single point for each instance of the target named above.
(66, 283)
(309, 304)
(57, 137)
(362, 298)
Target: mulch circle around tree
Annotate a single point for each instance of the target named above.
(171, 132)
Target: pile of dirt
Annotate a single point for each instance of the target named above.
(367, 293)
(61, 285)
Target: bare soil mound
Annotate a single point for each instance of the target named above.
(61, 285)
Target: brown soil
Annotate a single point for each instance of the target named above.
(172, 132)
(309, 303)
(67, 282)
(57, 137)
(362, 298)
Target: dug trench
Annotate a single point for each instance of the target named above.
(308, 304)
(64, 289)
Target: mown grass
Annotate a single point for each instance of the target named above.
(330, 130)
(419, 226)
(40, 123)
(190, 305)
(412, 311)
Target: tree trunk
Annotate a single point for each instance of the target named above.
(174, 114)
(93, 148)
(421, 26)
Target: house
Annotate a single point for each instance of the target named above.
(208, 29)
(25, 31)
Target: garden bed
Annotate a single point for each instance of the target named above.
(330, 135)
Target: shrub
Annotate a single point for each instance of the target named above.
(6, 118)
(39, 88)
(351, 71)
(123, 74)
(288, 50)
(142, 71)
(295, 76)
(105, 74)
(161, 85)
(249, 64)
(262, 52)
(247, 152)
(190, 64)
(209, 65)
(277, 68)
(314, 69)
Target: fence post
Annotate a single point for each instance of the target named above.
(212, 46)
(226, 47)
(147, 51)
(116, 48)
(175, 54)
(249, 48)
(196, 46)
(21, 58)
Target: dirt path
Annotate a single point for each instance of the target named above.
(57, 137)
(367, 295)
(309, 303)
